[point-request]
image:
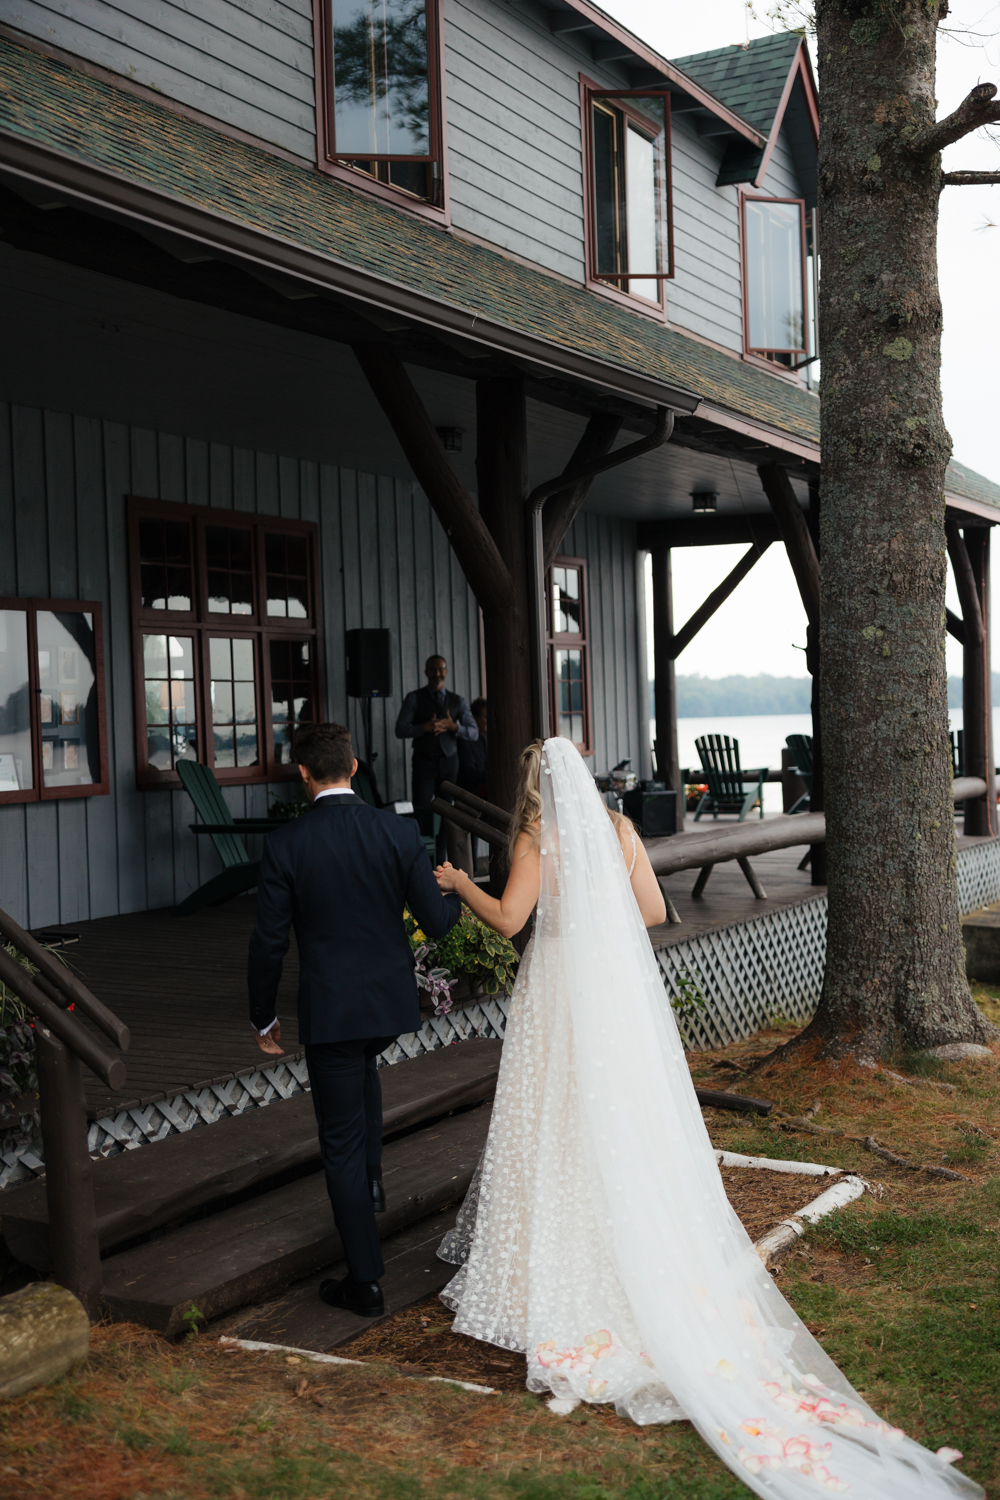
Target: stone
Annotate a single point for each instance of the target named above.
(44, 1332)
(958, 1051)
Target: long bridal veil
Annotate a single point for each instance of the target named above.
(679, 1317)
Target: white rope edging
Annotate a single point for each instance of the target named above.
(337, 1359)
(785, 1234)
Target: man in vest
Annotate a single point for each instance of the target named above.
(435, 720)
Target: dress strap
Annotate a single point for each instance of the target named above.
(635, 854)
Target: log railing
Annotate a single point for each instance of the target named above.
(63, 1045)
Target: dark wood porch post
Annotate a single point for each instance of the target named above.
(977, 694)
(502, 476)
(668, 768)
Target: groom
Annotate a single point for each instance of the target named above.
(341, 874)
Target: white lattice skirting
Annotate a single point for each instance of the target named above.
(723, 985)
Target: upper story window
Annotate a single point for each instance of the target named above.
(53, 737)
(225, 630)
(775, 299)
(627, 139)
(380, 93)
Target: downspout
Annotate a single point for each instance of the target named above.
(533, 514)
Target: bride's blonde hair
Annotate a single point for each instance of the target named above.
(528, 804)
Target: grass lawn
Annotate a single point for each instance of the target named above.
(901, 1287)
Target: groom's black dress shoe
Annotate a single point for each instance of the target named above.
(362, 1297)
(378, 1195)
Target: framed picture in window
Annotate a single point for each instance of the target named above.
(68, 707)
(68, 670)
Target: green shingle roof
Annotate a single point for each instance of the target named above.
(751, 80)
(970, 485)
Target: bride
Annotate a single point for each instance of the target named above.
(604, 1246)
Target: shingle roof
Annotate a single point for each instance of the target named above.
(47, 102)
(749, 80)
(970, 485)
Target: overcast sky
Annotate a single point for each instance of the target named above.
(762, 623)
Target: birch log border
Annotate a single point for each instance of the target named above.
(784, 1235)
(256, 1347)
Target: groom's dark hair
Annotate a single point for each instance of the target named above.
(325, 750)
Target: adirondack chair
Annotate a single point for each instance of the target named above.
(727, 790)
(801, 746)
(957, 752)
(240, 871)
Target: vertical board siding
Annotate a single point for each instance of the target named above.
(248, 63)
(383, 560)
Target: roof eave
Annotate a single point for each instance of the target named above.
(801, 69)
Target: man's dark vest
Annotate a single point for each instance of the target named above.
(434, 746)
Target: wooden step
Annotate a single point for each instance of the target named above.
(246, 1253)
(167, 1181)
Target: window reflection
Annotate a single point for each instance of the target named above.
(234, 702)
(567, 606)
(165, 563)
(381, 85)
(228, 558)
(67, 680)
(773, 241)
(569, 696)
(630, 212)
(15, 703)
(291, 693)
(287, 576)
(171, 713)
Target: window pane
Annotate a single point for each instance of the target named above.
(70, 744)
(640, 198)
(234, 703)
(230, 570)
(567, 606)
(171, 708)
(380, 77)
(607, 188)
(165, 558)
(569, 694)
(630, 216)
(15, 699)
(774, 275)
(291, 693)
(287, 584)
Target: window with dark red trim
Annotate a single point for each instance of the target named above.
(225, 619)
(628, 209)
(53, 733)
(379, 86)
(569, 665)
(775, 296)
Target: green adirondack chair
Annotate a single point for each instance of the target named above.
(957, 752)
(240, 871)
(727, 782)
(801, 746)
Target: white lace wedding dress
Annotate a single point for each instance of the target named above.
(604, 1245)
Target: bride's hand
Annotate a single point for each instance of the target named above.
(448, 877)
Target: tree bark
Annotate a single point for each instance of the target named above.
(502, 476)
(895, 968)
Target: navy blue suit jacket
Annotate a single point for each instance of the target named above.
(340, 875)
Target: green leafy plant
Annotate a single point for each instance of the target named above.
(688, 998)
(471, 951)
(19, 1117)
(192, 1318)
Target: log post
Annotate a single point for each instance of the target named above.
(75, 1254)
(44, 1333)
(668, 769)
(977, 696)
(501, 473)
(563, 507)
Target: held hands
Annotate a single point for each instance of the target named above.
(448, 878)
(271, 1044)
(445, 725)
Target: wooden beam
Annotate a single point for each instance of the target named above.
(478, 554)
(794, 528)
(562, 508)
(965, 583)
(665, 680)
(717, 597)
(707, 531)
(977, 698)
(955, 626)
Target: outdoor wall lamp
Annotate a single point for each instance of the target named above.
(705, 500)
(451, 438)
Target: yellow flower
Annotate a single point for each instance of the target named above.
(421, 937)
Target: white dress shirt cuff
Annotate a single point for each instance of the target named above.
(266, 1029)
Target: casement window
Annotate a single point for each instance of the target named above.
(775, 300)
(53, 734)
(569, 667)
(379, 94)
(627, 162)
(225, 621)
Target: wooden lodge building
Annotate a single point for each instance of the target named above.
(434, 317)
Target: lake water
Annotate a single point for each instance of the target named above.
(762, 739)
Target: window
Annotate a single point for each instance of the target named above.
(628, 198)
(225, 622)
(774, 278)
(380, 106)
(53, 739)
(566, 610)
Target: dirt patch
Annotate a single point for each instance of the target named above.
(762, 1199)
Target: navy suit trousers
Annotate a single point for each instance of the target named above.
(347, 1098)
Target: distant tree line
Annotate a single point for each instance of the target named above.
(698, 697)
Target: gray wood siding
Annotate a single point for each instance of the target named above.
(619, 696)
(515, 156)
(781, 178)
(248, 63)
(384, 561)
(705, 294)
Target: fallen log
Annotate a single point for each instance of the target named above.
(716, 1099)
(797, 1122)
(44, 1331)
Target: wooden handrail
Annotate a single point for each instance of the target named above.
(66, 982)
(489, 808)
(62, 1023)
(469, 821)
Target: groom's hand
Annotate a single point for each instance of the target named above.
(271, 1043)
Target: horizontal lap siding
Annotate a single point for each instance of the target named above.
(705, 294)
(781, 179)
(383, 560)
(248, 63)
(515, 155)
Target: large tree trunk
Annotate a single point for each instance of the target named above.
(895, 971)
